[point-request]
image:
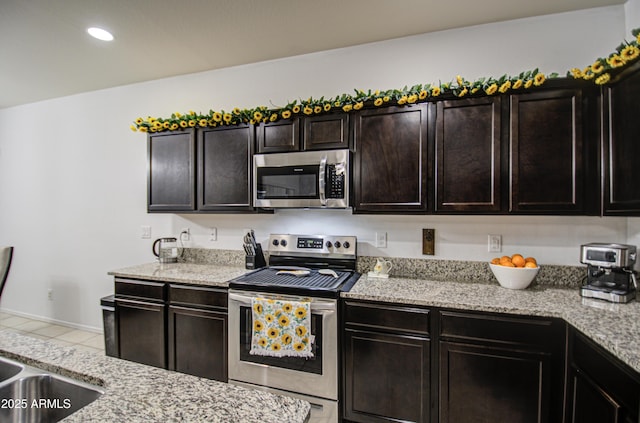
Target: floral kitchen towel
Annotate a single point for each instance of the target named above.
(281, 328)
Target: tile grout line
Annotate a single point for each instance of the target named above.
(56, 333)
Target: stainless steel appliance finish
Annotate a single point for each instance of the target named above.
(308, 179)
(268, 371)
(312, 268)
(610, 274)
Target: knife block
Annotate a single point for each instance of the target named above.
(257, 261)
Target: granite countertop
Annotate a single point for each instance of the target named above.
(616, 327)
(190, 273)
(138, 393)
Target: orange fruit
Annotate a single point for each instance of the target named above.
(530, 265)
(495, 260)
(504, 260)
(507, 264)
(531, 260)
(518, 260)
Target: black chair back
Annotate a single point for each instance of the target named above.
(6, 254)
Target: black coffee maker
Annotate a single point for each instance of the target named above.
(610, 274)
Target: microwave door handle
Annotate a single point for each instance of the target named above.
(322, 181)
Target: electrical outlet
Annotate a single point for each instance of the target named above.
(428, 242)
(213, 234)
(494, 244)
(50, 294)
(381, 239)
(145, 232)
(185, 234)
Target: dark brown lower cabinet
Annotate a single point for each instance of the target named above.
(197, 324)
(487, 384)
(386, 363)
(141, 321)
(141, 330)
(500, 368)
(601, 389)
(173, 326)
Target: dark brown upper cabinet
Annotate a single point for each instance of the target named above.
(621, 144)
(391, 160)
(278, 137)
(553, 152)
(321, 132)
(224, 168)
(468, 155)
(171, 159)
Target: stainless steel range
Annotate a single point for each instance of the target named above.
(304, 269)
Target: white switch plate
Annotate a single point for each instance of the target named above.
(213, 234)
(494, 243)
(185, 235)
(381, 239)
(145, 232)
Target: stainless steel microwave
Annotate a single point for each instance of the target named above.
(308, 179)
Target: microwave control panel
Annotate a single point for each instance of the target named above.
(335, 181)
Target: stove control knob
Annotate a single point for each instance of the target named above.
(328, 244)
(275, 242)
(346, 244)
(283, 242)
(337, 244)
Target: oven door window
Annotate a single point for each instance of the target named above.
(307, 365)
(287, 182)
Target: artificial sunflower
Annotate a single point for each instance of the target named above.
(423, 94)
(505, 87)
(307, 110)
(435, 91)
(327, 107)
(630, 53)
(286, 114)
(538, 79)
(227, 117)
(378, 102)
(603, 79)
(491, 89)
(517, 84)
(217, 116)
(597, 67)
(528, 84)
(615, 61)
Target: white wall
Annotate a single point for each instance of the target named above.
(72, 174)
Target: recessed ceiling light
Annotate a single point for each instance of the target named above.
(100, 34)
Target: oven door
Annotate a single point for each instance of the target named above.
(317, 376)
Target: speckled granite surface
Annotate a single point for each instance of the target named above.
(136, 393)
(191, 273)
(616, 327)
(460, 285)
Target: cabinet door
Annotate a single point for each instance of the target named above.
(198, 342)
(468, 155)
(386, 377)
(326, 131)
(546, 147)
(391, 171)
(142, 332)
(481, 384)
(591, 404)
(622, 149)
(224, 168)
(171, 171)
(279, 136)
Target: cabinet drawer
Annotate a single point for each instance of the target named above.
(147, 290)
(198, 296)
(501, 329)
(387, 317)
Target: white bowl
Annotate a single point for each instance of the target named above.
(514, 277)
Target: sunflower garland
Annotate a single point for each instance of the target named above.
(599, 72)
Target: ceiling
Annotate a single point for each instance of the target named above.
(46, 52)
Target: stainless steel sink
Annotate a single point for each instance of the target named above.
(9, 369)
(33, 395)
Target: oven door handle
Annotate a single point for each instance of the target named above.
(317, 307)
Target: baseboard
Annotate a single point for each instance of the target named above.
(50, 320)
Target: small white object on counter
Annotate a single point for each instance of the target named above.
(514, 277)
(374, 274)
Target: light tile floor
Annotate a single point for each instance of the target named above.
(59, 334)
